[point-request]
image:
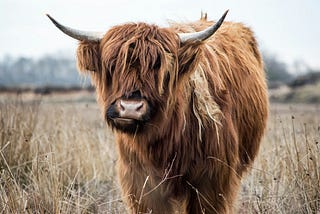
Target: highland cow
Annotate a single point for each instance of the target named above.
(188, 105)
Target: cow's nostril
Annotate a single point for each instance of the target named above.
(122, 108)
(139, 107)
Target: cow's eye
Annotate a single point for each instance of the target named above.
(111, 69)
(109, 74)
(157, 64)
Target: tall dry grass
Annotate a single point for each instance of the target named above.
(60, 158)
(286, 175)
(56, 158)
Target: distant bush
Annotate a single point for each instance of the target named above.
(276, 70)
(306, 79)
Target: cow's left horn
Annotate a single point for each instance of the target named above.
(78, 34)
(202, 35)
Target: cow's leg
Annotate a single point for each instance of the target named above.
(208, 197)
(156, 204)
(159, 205)
(140, 196)
(200, 203)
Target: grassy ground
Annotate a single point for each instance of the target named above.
(57, 156)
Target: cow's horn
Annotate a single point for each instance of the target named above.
(78, 34)
(202, 35)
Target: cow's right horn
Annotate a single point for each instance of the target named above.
(205, 34)
(78, 34)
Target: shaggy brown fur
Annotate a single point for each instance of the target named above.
(210, 102)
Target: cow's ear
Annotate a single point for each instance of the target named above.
(189, 55)
(88, 56)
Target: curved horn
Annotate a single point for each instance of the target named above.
(202, 35)
(78, 34)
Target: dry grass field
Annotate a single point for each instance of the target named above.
(57, 156)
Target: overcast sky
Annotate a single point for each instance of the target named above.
(288, 28)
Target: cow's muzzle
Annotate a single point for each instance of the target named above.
(131, 109)
(128, 114)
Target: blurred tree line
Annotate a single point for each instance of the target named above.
(276, 70)
(47, 71)
(60, 71)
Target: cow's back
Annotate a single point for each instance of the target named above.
(234, 70)
(241, 70)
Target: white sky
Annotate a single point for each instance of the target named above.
(288, 28)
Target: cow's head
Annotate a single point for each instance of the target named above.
(137, 68)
